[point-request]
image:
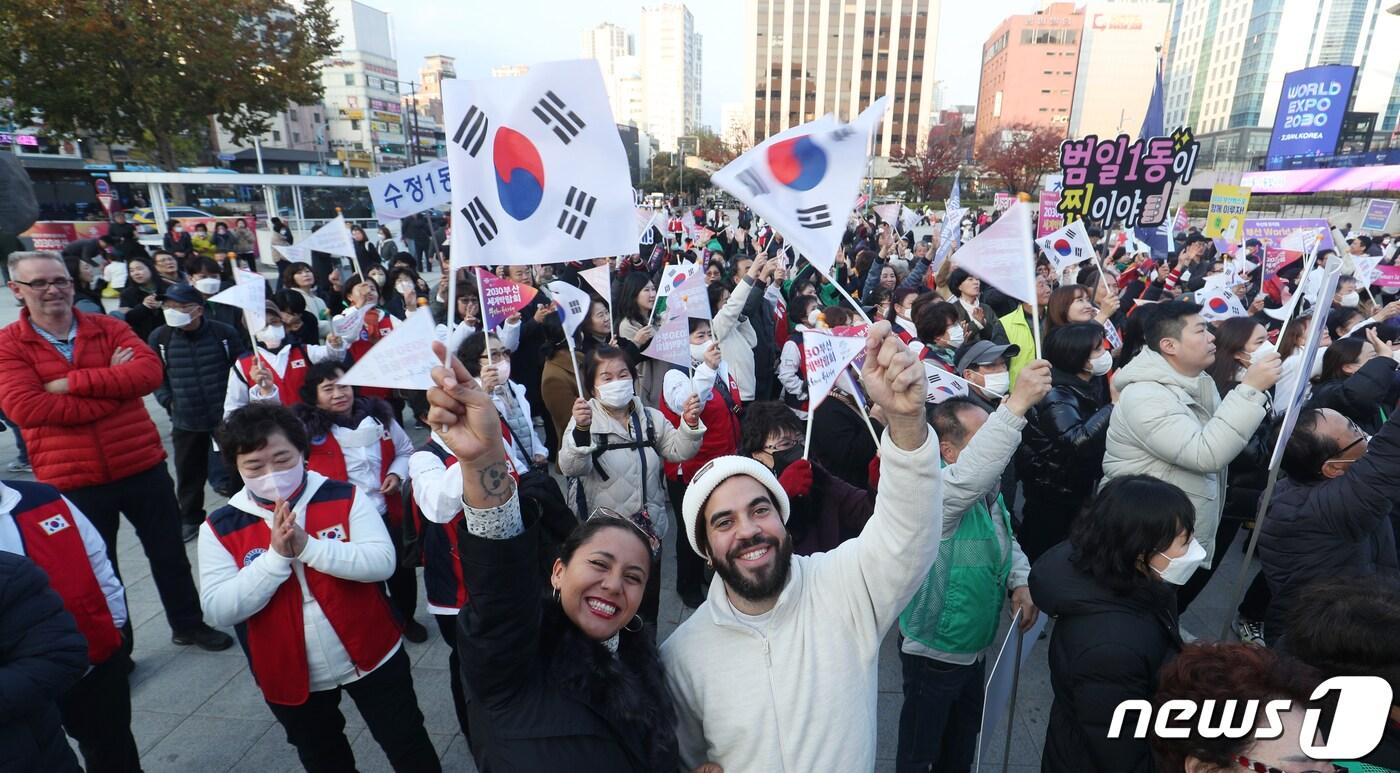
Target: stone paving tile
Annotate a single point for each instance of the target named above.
(149, 727)
(204, 744)
(186, 682)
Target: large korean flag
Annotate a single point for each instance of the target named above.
(538, 169)
(804, 181)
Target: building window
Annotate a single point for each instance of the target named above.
(276, 136)
(349, 79)
(354, 126)
(291, 115)
(315, 117)
(296, 136)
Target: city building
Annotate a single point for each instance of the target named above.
(364, 114)
(1029, 67)
(807, 58)
(295, 143)
(426, 95)
(670, 73)
(1118, 60)
(1225, 61)
(615, 49)
(734, 124)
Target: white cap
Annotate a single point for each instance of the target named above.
(717, 471)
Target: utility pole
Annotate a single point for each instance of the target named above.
(414, 154)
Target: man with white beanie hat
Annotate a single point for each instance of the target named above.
(777, 669)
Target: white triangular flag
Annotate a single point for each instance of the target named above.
(332, 238)
(248, 293)
(1067, 247)
(826, 356)
(293, 253)
(403, 359)
(1001, 255)
(889, 213)
(804, 181)
(600, 279)
(573, 304)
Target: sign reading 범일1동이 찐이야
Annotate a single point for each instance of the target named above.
(1118, 179)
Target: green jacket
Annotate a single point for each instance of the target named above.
(1018, 331)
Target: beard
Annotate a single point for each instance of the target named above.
(768, 582)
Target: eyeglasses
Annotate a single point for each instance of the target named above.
(1259, 767)
(781, 445)
(1363, 439)
(40, 285)
(639, 521)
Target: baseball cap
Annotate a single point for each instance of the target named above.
(182, 293)
(985, 353)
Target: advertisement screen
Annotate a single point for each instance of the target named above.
(1311, 106)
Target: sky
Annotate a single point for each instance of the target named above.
(482, 34)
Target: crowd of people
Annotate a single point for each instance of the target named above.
(1096, 470)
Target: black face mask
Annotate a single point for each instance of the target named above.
(781, 459)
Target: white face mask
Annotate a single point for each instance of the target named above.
(697, 351)
(812, 317)
(403, 287)
(997, 383)
(271, 336)
(276, 485)
(177, 318)
(208, 285)
(1101, 363)
(1180, 569)
(956, 336)
(616, 394)
(503, 371)
(1264, 349)
(1350, 300)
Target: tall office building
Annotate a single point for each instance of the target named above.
(807, 58)
(363, 111)
(1118, 60)
(616, 52)
(1226, 59)
(1029, 64)
(670, 73)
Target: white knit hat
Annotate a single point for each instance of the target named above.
(717, 471)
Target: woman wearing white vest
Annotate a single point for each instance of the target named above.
(357, 440)
(297, 562)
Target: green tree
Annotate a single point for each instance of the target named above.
(920, 172)
(148, 73)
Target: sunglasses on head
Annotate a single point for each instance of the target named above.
(1259, 767)
(640, 522)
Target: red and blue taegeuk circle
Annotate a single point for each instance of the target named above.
(799, 163)
(1218, 305)
(1063, 247)
(519, 173)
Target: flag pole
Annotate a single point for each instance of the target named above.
(451, 313)
(578, 380)
(864, 414)
(1035, 326)
(481, 310)
(807, 440)
(665, 256)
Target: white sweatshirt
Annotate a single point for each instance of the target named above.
(796, 691)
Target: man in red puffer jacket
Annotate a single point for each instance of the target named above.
(73, 382)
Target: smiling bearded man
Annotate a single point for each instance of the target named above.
(777, 669)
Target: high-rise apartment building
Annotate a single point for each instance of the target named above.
(616, 52)
(1029, 65)
(1118, 59)
(807, 58)
(670, 73)
(1225, 59)
(363, 111)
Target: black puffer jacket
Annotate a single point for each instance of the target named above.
(196, 372)
(1360, 396)
(1249, 472)
(1106, 648)
(1062, 446)
(42, 655)
(544, 696)
(1340, 526)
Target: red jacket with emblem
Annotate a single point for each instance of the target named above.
(97, 432)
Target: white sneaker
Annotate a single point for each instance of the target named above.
(1249, 631)
(18, 466)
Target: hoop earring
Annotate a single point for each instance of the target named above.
(556, 595)
(635, 619)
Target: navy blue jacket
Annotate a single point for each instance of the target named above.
(42, 655)
(196, 372)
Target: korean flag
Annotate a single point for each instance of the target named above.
(804, 181)
(336, 533)
(539, 170)
(54, 524)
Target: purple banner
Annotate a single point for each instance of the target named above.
(1355, 178)
(1378, 212)
(1273, 233)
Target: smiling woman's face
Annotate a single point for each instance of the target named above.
(600, 588)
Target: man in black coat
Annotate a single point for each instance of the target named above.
(1332, 515)
(197, 353)
(42, 655)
